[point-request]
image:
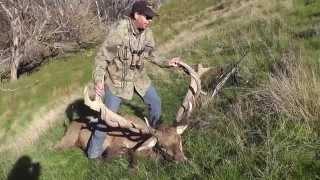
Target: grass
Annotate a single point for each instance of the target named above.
(55, 80)
(243, 134)
(175, 12)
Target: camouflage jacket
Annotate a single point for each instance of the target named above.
(120, 60)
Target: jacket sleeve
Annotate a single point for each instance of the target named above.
(151, 54)
(105, 55)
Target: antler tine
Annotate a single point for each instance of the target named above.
(151, 129)
(192, 94)
(111, 118)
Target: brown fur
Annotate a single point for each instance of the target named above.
(71, 137)
(120, 141)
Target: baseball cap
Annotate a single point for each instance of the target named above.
(142, 7)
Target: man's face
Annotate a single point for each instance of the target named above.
(141, 21)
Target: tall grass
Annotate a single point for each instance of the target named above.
(296, 90)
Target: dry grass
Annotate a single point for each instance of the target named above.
(295, 88)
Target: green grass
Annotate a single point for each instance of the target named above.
(175, 12)
(58, 78)
(239, 136)
(306, 15)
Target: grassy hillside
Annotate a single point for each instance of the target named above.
(263, 125)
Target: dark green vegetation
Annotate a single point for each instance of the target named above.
(263, 125)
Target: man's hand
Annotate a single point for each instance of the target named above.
(99, 88)
(174, 61)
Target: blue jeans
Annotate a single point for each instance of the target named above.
(151, 100)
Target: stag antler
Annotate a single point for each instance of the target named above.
(111, 118)
(115, 120)
(193, 93)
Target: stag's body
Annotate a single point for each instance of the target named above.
(120, 141)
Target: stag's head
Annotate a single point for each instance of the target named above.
(167, 139)
(170, 142)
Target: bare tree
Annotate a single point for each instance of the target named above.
(43, 28)
(15, 12)
(37, 28)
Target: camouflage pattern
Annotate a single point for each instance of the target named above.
(120, 60)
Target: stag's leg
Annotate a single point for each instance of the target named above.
(71, 136)
(95, 146)
(153, 102)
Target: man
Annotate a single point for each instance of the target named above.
(119, 69)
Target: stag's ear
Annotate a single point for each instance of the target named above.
(150, 143)
(181, 128)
